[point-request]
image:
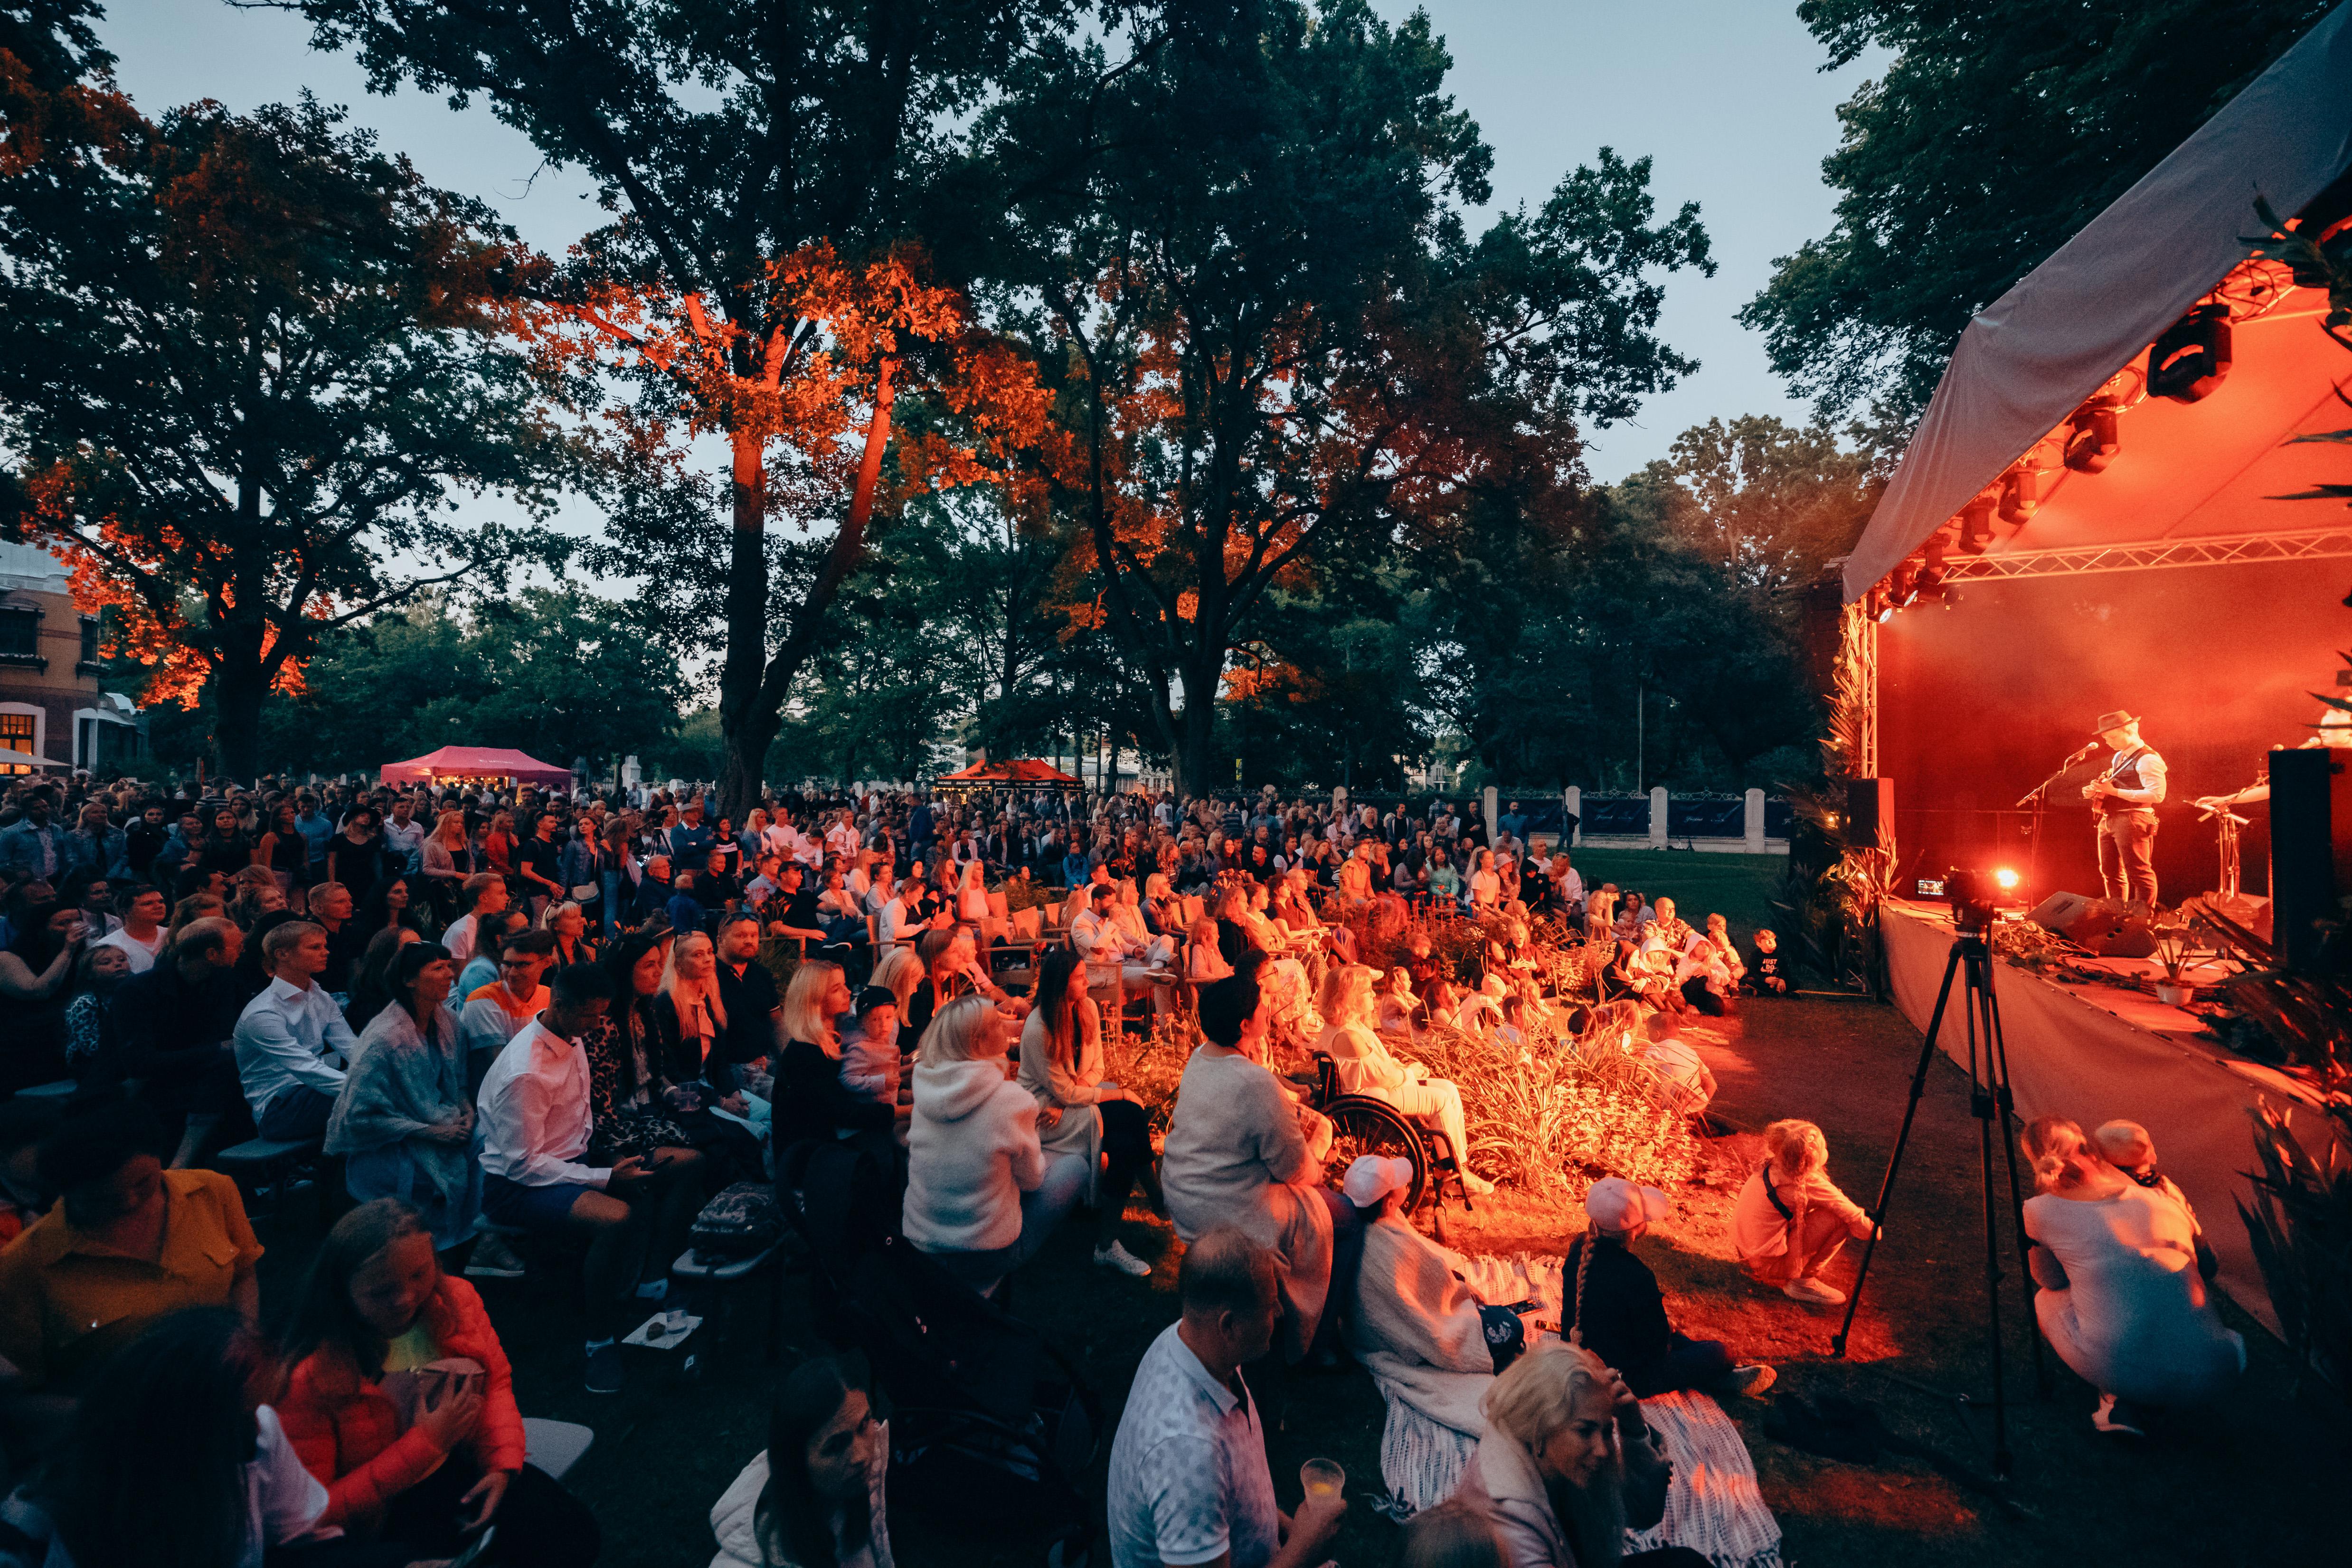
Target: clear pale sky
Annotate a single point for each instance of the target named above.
(1724, 95)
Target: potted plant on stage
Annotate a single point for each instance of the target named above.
(2173, 949)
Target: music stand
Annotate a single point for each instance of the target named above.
(1990, 1102)
(2226, 823)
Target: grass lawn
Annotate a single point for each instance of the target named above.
(2258, 1483)
(1737, 887)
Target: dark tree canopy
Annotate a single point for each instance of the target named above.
(1998, 129)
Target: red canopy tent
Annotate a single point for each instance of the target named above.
(452, 764)
(1022, 772)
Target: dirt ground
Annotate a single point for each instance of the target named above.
(2258, 1482)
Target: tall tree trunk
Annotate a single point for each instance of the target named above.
(1196, 761)
(747, 732)
(238, 687)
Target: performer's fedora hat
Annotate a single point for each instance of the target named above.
(2115, 720)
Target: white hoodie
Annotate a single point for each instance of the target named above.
(972, 1152)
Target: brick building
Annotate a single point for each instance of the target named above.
(51, 704)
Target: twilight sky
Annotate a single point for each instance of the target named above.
(1724, 95)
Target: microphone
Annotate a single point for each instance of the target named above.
(2088, 747)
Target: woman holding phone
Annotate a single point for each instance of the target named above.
(400, 1403)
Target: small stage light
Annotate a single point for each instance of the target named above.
(2192, 356)
(1976, 524)
(2007, 879)
(2095, 441)
(2020, 496)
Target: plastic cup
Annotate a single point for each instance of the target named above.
(1322, 1478)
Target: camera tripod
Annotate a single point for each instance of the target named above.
(1990, 1102)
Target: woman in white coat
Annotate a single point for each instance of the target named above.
(982, 1197)
(813, 1496)
(1366, 1066)
(2121, 1300)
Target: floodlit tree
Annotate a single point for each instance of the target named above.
(767, 163)
(248, 364)
(1271, 340)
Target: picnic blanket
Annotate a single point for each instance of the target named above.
(1434, 1421)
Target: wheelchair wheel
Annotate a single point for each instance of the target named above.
(1362, 1125)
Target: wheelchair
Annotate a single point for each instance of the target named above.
(1365, 1124)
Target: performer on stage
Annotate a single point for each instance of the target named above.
(2125, 798)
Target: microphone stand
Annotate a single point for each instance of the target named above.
(2039, 797)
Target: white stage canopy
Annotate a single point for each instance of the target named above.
(2210, 480)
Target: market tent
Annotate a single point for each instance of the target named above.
(12, 758)
(453, 763)
(1022, 772)
(2211, 474)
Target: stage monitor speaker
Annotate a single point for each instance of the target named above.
(2108, 928)
(1870, 813)
(2311, 847)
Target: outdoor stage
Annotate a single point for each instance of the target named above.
(2099, 1053)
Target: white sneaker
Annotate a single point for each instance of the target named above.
(1814, 1292)
(1118, 1257)
(1476, 1185)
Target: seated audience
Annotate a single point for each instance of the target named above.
(401, 1404)
(371, 977)
(751, 1013)
(495, 1012)
(1451, 1536)
(2126, 1146)
(2121, 1301)
(1766, 973)
(982, 1197)
(1062, 1066)
(1204, 958)
(1408, 1302)
(1791, 1219)
(1567, 1465)
(1189, 1477)
(484, 893)
(405, 1123)
(1241, 1153)
(292, 1044)
(174, 1457)
(492, 934)
(175, 1029)
(1615, 1309)
(811, 1101)
(1685, 1079)
(536, 1128)
(140, 935)
(1366, 1066)
(871, 1066)
(127, 1242)
(814, 1498)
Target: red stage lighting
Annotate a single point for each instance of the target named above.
(2020, 496)
(1976, 524)
(2095, 441)
(2007, 879)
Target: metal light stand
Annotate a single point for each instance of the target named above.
(1990, 1103)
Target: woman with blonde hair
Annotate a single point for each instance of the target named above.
(898, 973)
(1366, 1066)
(1204, 960)
(447, 858)
(982, 1198)
(2121, 1300)
(1791, 1219)
(811, 1100)
(689, 996)
(1567, 1465)
(972, 895)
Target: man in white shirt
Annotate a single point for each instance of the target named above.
(141, 935)
(485, 893)
(1107, 949)
(841, 838)
(292, 1045)
(1189, 1479)
(403, 837)
(537, 1171)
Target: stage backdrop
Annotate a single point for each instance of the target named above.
(1977, 702)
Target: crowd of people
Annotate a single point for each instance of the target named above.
(493, 1018)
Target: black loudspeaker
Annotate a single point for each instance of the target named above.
(2106, 928)
(1870, 814)
(2311, 847)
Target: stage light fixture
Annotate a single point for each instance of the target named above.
(2192, 357)
(2095, 440)
(1976, 524)
(2007, 879)
(2020, 496)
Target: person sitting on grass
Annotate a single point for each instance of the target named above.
(1567, 1465)
(1766, 973)
(1409, 1302)
(1241, 1152)
(813, 1496)
(1791, 1219)
(2120, 1300)
(2126, 1146)
(1615, 1309)
(536, 1126)
(400, 1403)
(1189, 1479)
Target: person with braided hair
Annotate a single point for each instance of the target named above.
(1615, 1309)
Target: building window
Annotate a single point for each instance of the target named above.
(89, 642)
(17, 734)
(20, 633)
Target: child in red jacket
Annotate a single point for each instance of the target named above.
(400, 1403)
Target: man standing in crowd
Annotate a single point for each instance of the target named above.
(140, 935)
(403, 838)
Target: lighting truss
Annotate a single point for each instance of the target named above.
(2228, 550)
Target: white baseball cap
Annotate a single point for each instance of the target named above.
(1615, 1204)
(1373, 1177)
